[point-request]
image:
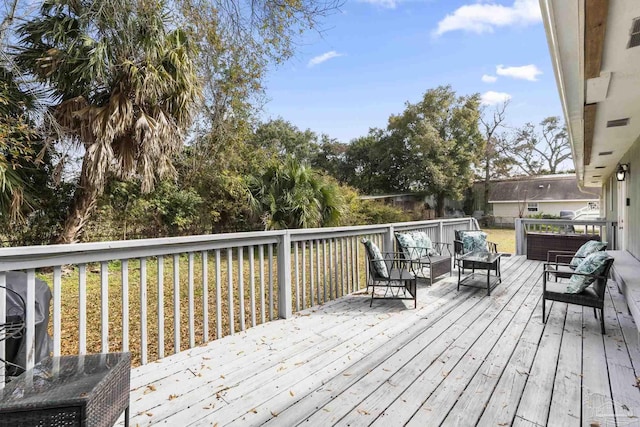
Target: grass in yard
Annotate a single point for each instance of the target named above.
(504, 238)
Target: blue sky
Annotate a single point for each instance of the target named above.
(375, 55)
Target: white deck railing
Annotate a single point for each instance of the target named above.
(233, 281)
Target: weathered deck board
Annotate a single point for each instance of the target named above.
(460, 358)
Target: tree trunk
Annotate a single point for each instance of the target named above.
(487, 177)
(92, 179)
(440, 205)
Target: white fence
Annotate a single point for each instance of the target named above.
(134, 296)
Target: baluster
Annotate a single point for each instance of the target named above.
(270, 253)
(311, 276)
(160, 306)
(57, 310)
(297, 275)
(104, 306)
(332, 291)
(319, 300)
(232, 326)
(324, 272)
(205, 296)
(262, 302)
(124, 275)
(176, 303)
(218, 295)
(143, 310)
(190, 301)
(30, 336)
(304, 274)
(253, 285)
(241, 285)
(82, 302)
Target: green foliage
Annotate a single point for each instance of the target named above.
(292, 195)
(279, 138)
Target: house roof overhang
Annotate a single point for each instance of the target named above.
(598, 79)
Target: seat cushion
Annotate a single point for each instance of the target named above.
(587, 249)
(593, 264)
(408, 245)
(557, 292)
(378, 260)
(423, 242)
(473, 240)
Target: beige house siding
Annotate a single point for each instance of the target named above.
(506, 212)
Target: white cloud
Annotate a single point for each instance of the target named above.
(324, 57)
(494, 98)
(485, 17)
(387, 4)
(489, 79)
(526, 72)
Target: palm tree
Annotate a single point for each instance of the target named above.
(292, 195)
(124, 88)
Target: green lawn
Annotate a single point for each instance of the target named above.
(505, 238)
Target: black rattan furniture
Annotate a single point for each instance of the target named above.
(539, 244)
(593, 296)
(480, 260)
(399, 282)
(86, 390)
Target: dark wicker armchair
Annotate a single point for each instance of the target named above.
(593, 296)
(397, 283)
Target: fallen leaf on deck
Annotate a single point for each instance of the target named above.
(275, 414)
(291, 393)
(148, 414)
(149, 389)
(254, 410)
(173, 396)
(363, 412)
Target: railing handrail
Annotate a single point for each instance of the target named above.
(330, 256)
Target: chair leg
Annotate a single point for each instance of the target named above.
(595, 313)
(602, 320)
(544, 318)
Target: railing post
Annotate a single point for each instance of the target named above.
(521, 238)
(284, 277)
(388, 240)
(440, 232)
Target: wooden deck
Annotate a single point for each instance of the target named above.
(460, 358)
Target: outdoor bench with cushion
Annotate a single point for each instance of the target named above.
(428, 259)
(586, 285)
(391, 271)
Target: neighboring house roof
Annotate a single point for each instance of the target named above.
(545, 188)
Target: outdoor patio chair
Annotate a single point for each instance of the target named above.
(471, 240)
(429, 259)
(565, 262)
(585, 287)
(390, 271)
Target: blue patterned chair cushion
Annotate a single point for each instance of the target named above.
(378, 259)
(407, 245)
(474, 240)
(586, 249)
(592, 264)
(423, 242)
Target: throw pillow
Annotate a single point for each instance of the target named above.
(474, 241)
(592, 264)
(423, 242)
(408, 245)
(586, 249)
(378, 259)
